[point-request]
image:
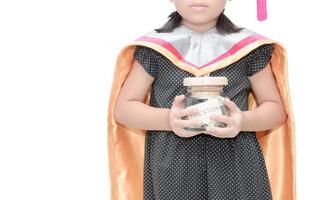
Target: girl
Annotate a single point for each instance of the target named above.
(169, 162)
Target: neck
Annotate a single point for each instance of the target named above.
(200, 28)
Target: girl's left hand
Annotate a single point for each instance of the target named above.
(234, 122)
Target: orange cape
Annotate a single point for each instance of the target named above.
(126, 146)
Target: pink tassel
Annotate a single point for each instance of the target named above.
(261, 10)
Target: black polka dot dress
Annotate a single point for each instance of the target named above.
(203, 166)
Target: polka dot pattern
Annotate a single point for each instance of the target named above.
(203, 166)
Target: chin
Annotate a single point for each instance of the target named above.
(198, 20)
(199, 23)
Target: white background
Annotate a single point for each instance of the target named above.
(56, 65)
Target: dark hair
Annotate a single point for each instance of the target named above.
(223, 25)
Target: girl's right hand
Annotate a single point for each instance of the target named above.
(177, 124)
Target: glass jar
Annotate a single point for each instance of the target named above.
(206, 95)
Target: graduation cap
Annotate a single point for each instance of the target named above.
(261, 10)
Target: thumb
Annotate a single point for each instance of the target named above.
(231, 105)
(178, 101)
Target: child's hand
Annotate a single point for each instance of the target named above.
(234, 122)
(175, 118)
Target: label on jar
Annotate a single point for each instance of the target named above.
(213, 105)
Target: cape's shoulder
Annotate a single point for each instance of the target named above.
(200, 53)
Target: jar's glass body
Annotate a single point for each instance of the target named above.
(208, 100)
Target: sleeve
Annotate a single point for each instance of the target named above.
(258, 59)
(147, 57)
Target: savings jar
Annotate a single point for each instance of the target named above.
(206, 95)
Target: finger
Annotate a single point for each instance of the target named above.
(221, 118)
(184, 133)
(231, 105)
(188, 123)
(217, 131)
(188, 112)
(178, 101)
(214, 134)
